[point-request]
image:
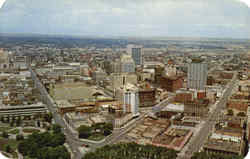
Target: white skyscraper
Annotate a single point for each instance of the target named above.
(136, 52)
(197, 75)
(131, 100)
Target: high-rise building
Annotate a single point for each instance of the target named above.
(197, 74)
(127, 64)
(136, 52)
(131, 101)
(128, 95)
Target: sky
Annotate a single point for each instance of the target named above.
(136, 18)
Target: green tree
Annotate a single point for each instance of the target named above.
(38, 123)
(18, 121)
(56, 128)
(19, 137)
(84, 131)
(23, 147)
(58, 139)
(131, 151)
(241, 114)
(45, 145)
(230, 112)
(7, 148)
(12, 123)
(5, 134)
(48, 117)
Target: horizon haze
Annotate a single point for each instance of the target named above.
(141, 18)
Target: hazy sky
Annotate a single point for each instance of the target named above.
(182, 18)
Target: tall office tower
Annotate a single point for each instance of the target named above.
(131, 101)
(136, 52)
(127, 64)
(197, 74)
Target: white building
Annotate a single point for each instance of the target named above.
(127, 64)
(197, 75)
(21, 62)
(130, 97)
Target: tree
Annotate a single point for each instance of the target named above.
(84, 131)
(2, 119)
(48, 117)
(7, 148)
(23, 147)
(241, 114)
(12, 123)
(45, 145)
(56, 128)
(18, 121)
(58, 139)
(131, 151)
(38, 123)
(5, 134)
(230, 112)
(19, 137)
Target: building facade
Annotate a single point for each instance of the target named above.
(196, 108)
(131, 102)
(136, 52)
(171, 84)
(127, 64)
(197, 75)
(147, 97)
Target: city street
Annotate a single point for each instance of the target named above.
(72, 140)
(198, 140)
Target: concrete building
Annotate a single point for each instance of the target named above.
(128, 95)
(136, 52)
(23, 110)
(197, 75)
(229, 141)
(196, 107)
(127, 64)
(118, 80)
(99, 75)
(21, 62)
(116, 66)
(131, 100)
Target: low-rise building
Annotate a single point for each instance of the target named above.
(226, 141)
(171, 84)
(147, 97)
(197, 107)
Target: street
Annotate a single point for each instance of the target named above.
(197, 141)
(71, 139)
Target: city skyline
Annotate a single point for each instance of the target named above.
(195, 18)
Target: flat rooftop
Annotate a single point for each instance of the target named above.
(70, 91)
(222, 145)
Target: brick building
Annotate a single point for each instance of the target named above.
(183, 97)
(171, 84)
(147, 97)
(210, 80)
(196, 107)
(158, 74)
(238, 106)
